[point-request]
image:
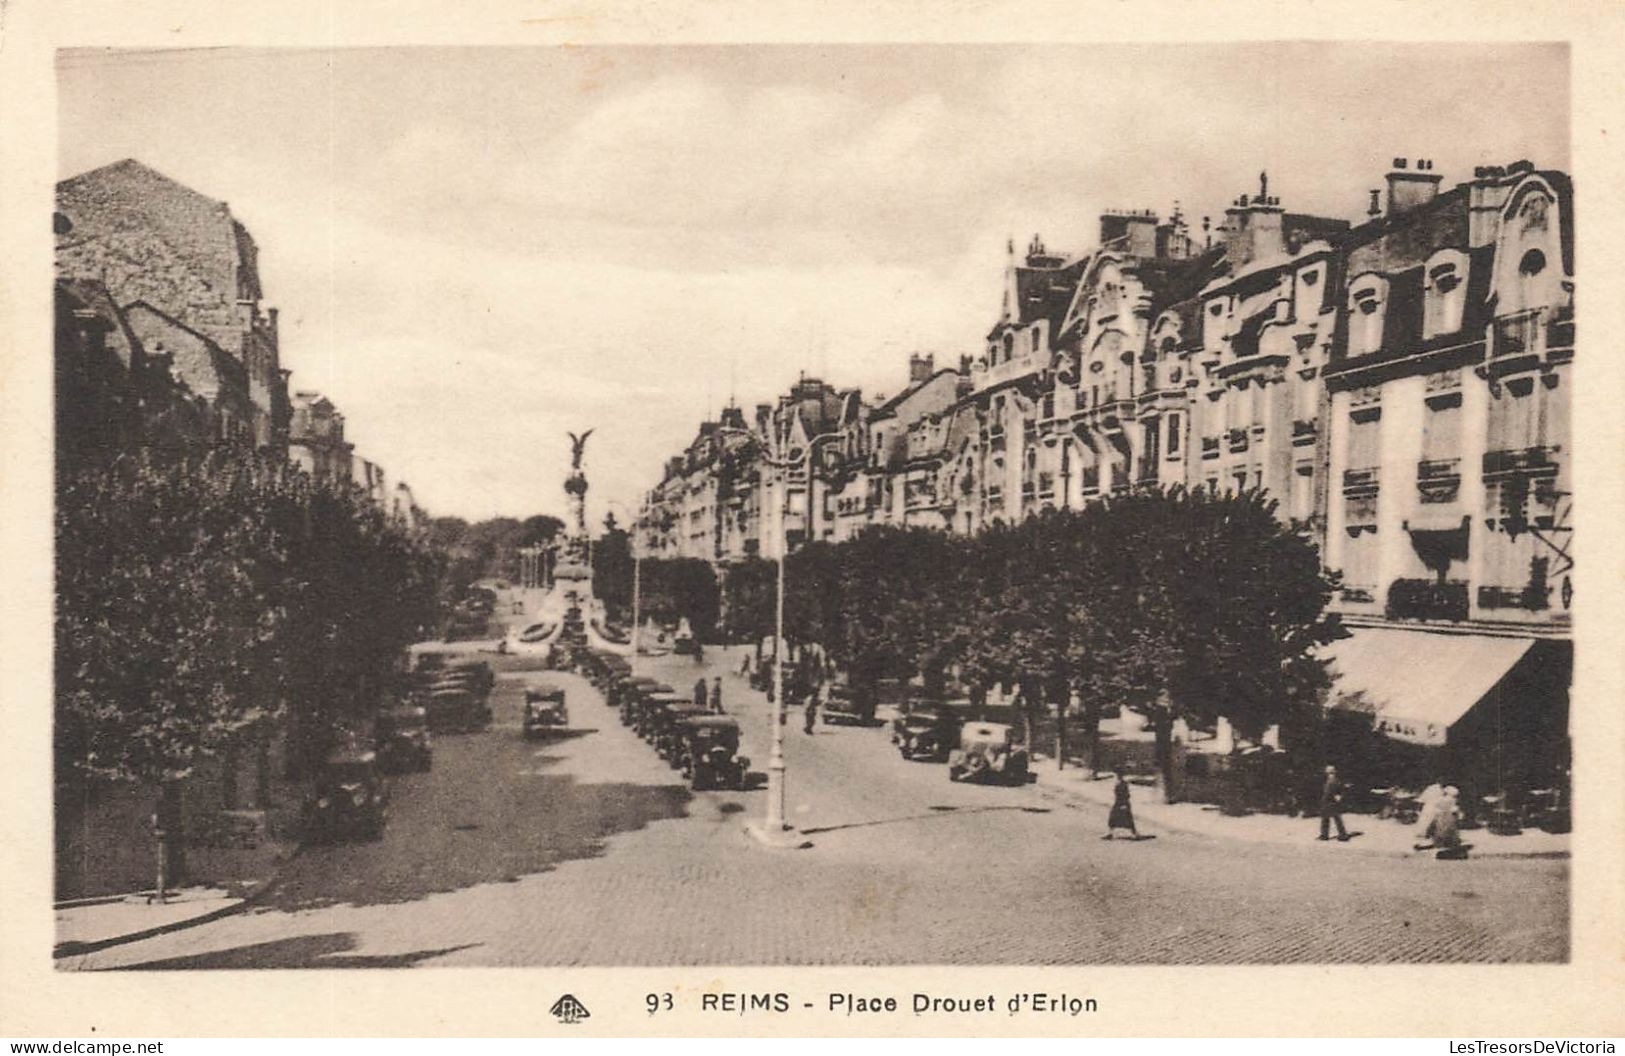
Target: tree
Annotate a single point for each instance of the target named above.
(203, 598)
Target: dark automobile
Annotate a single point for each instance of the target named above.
(403, 741)
(926, 731)
(711, 758)
(349, 799)
(455, 709)
(653, 711)
(849, 705)
(988, 750)
(544, 711)
(633, 696)
(671, 736)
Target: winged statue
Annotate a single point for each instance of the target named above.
(577, 445)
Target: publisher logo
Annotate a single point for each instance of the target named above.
(569, 1010)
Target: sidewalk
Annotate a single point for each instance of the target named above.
(90, 924)
(1376, 836)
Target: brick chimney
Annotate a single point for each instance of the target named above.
(1411, 186)
(1485, 197)
(1252, 227)
(920, 367)
(1133, 231)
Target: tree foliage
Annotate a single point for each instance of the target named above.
(200, 597)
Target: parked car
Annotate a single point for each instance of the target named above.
(403, 739)
(349, 799)
(712, 756)
(849, 705)
(671, 732)
(456, 709)
(926, 731)
(988, 750)
(544, 711)
(632, 695)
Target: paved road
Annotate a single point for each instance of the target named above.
(587, 850)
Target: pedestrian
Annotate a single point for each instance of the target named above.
(1444, 831)
(1331, 806)
(1122, 815)
(1427, 807)
(810, 711)
(744, 665)
(702, 694)
(716, 695)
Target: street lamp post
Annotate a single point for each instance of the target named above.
(637, 582)
(775, 829)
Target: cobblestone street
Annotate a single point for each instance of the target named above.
(587, 850)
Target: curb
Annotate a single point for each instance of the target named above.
(75, 949)
(1079, 796)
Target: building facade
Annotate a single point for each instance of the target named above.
(1400, 385)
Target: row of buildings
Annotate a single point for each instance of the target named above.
(162, 344)
(162, 341)
(1399, 382)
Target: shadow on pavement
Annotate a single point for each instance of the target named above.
(305, 951)
(936, 812)
(476, 827)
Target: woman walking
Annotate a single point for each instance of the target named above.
(1122, 815)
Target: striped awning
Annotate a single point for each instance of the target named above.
(1418, 684)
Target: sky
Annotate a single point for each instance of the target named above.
(475, 250)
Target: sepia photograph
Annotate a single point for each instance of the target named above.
(867, 505)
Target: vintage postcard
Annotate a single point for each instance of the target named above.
(881, 526)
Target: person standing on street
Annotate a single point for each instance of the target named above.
(1122, 815)
(716, 695)
(702, 694)
(1331, 806)
(810, 711)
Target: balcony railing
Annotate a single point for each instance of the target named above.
(1304, 431)
(1360, 479)
(1237, 439)
(1529, 597)
(1210, 447)
(1427, 599)
(1438, 479)
(1531, 460)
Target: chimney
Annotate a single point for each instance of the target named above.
(1252, 227)
(1409, 187)
(1129, 231)
(1485, 197)
(919, 367)
(764, 412)
(1375, 208)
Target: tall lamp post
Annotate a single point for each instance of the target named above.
(775, 829)
(637, 580)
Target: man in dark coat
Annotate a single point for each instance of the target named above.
(1331, 806)
(702, 694)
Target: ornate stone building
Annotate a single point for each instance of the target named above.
(1400, 386)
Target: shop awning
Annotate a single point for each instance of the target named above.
(1418, 683)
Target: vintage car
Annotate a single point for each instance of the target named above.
(632, 696)
(455, 709)
(671, 737)
(926, 730)
(849, 705)
(403, 739)
(544, 711)
(710, 758)
(988, 750)
(651, 704)
(349, 799)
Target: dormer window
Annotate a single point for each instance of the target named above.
(1444, 293)
(1365, 314)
